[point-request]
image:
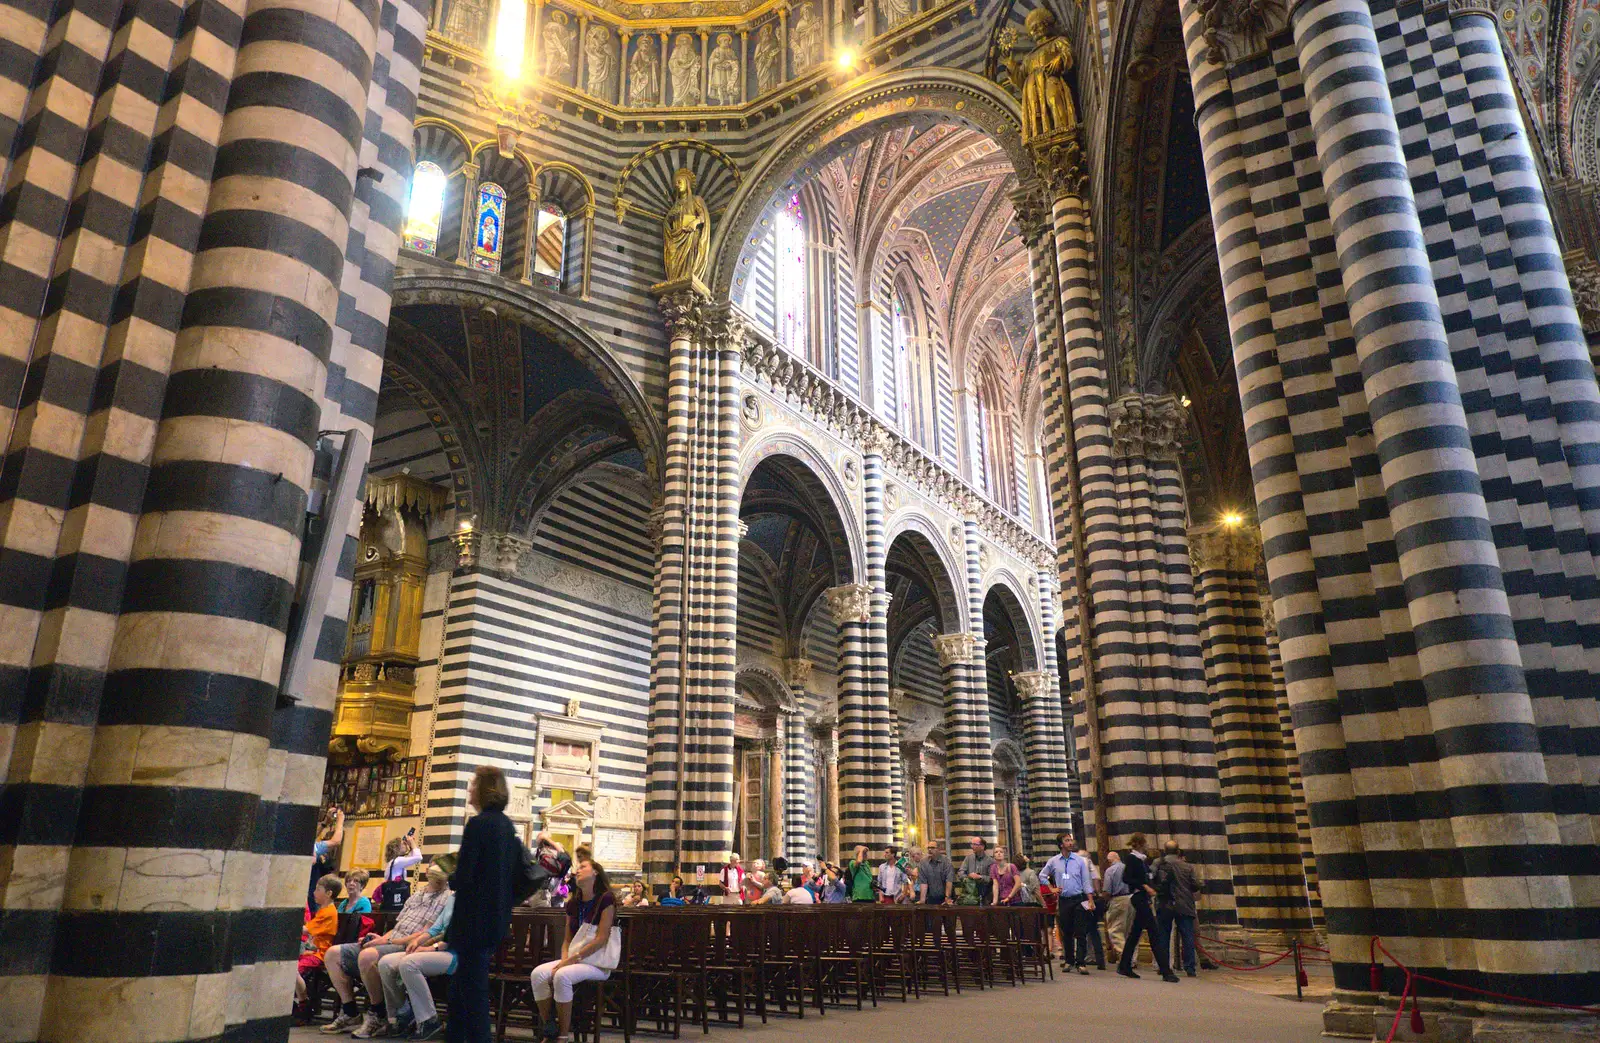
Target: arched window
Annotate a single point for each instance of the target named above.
(914, 369)
(488, 231)
(980, 442)
(789, 280)
(550, 243)
(423, 211)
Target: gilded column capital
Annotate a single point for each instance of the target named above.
(1031, 685)
(954, 648)
(850, 603)
(1058, 162)
(797, 672)
(1226, 547)
(1150, 426)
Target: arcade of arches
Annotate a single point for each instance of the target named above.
(1214, 457)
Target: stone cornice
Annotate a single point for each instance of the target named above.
(798, 384)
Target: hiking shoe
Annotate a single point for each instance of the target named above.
(373, 1027)
(433, 1028)
(342, 1023)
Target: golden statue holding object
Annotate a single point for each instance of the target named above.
(686, 231)
(1047, 105)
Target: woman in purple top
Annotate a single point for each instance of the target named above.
(590, 958)
(1007, 881)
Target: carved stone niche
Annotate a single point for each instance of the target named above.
(1237, 29)
(566, 753)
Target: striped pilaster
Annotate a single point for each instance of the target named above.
(887, 822)
(863, 814)
(800, 789)
(969, 763)
(1258, 802)
(181, 759)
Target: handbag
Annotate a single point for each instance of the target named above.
(605, 959)
(533, 875)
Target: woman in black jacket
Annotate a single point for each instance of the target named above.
(486, 870)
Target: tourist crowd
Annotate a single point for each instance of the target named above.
(452, 922)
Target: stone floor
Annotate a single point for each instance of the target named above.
(1222, 1007)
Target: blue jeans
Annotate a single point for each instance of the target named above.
(1166, 919)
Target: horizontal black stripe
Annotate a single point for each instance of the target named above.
(172, 942)
(242, 396)
(273, 233)
(302, 729)
(188, 699)
(220, 488)
(37, 813)
(167, 816)
(26, 936)
(208, 588)
(62, 693)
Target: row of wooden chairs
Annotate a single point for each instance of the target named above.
(697, 964)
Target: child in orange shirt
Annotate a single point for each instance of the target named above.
(317, 935)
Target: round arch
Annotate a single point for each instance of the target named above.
(768, 688)
(1008, 756)
(465, 288)
(863, 111)
(815, 466)
(919, 537)
(1006, 590)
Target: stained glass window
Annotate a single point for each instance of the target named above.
(550, 243)
(422, 213)
(914, 372)
(489, 229)
(790, 277)
(980, 446)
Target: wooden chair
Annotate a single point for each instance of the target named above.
(786, 961)
(932, 947)
(997, 934)
(733, 964)
(510, 975)
(892, 962)
(594, 1001)
(665, 971)
(1033, 937)
(971, 957)
(845, 963)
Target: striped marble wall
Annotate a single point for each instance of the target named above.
(571, 622)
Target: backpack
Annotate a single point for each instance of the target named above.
(967, 892)
(530, 879)
(391, 895)
(1164, 883)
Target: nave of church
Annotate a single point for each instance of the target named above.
(770, 428)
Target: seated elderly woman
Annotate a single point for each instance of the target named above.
(346, 962)
(590, 952)
(405, 979)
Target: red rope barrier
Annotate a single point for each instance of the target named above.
(1412, 977)
(1239, 967)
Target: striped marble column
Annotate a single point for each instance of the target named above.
(689, 813)
(969, 763)
(863, 813)
(171, 846)
(876, 649)
(1291, 757)
(1402, 337)
(1258, 803)
(898, 701)
(1164, 770)
(801, 790)
(1049, 808)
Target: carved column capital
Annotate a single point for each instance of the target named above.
(1031, 685)
(1058, 161)
(1150, 426)
(850, 603)
(726, 328)
(1583, 273)
(1224, 547)
(955, 648)
(683, 306)
(1236, 29)
(797, 672)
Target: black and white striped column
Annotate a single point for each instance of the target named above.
(172, 854)
(801, 790)
(862, 805)
(969, 763)
(886, 822)
(1257, 799)
(689, 812)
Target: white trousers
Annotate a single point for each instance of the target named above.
(411, 972)
(547, 979)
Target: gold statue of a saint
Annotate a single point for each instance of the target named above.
(686, 231)
(1047, 106)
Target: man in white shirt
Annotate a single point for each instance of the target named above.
(890, 875)
(733, 881)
